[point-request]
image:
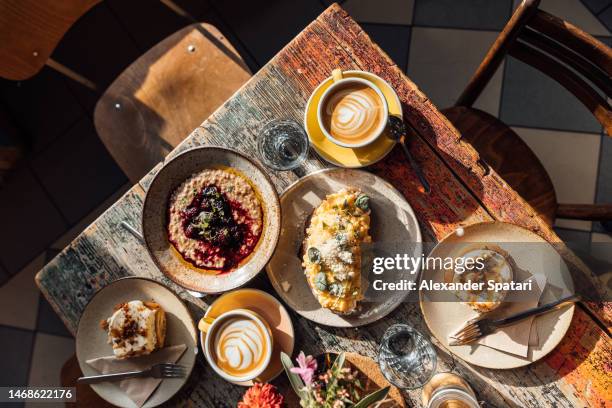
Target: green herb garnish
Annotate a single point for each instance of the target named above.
(321, 281)
(363, 202)
(314, 255)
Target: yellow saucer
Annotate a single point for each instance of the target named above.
(275, 314)
(344, 156)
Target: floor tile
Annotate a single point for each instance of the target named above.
(42, 107)
(596, 6)
(195, 8)
(49, 322)
(28, 218)
(98, 48)
(73, 232)
(576, 13)
(604, 182)
(265, 27)
(532, 99)
(15, 352)
(212, 17)
(606, 18)
(571, 161)
(394, 40)
(601, 246)
(50, 354)
(578, 241)
(474, 14)
(604, 179)
(19, 297)
(381, 11)
(441, 65)
(4, 275)
(160, 22)
(78, 171)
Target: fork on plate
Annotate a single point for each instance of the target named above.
(164, 370)
(481, 326)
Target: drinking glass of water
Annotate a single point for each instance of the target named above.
(406, 358)
(283, 145)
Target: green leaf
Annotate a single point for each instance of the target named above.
(339, 363)
(372, 398)
(295, 380)
(335, 369)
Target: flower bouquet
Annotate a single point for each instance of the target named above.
(333, 386)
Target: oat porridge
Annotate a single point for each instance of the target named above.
(215, 219)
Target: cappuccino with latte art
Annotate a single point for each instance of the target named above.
(238, 344)
(352, 112)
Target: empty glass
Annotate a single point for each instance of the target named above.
(406, 358)
(283, 145)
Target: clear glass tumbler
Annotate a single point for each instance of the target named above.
(406, 358)
(283, 145)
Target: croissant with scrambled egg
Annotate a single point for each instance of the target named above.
(332, 249)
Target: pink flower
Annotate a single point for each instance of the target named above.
(307, 367)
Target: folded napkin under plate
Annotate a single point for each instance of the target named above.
(138, 389)
(517, 338)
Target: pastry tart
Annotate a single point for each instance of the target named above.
(136, 328)
(332, 249)
(498, 267)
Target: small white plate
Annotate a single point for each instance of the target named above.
(91, 340)
(393, 227)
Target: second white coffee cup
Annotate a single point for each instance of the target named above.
(237, 344)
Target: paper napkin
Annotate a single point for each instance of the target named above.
(138, 389)
(517, 338)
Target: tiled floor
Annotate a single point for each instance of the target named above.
(438, 42)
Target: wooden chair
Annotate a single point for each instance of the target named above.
(165, 94)
(31, 29)
(568, 55)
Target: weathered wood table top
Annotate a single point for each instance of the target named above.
(577, 373)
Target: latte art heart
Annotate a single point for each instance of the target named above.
(240, 346)
(353, 113)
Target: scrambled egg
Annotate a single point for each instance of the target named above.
(332, 251)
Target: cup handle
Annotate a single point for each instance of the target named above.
(204, 324)
(337, 74)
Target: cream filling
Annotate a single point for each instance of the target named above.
(145, 323)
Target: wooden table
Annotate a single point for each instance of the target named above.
(465, 191)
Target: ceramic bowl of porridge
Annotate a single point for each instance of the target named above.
(211, 219)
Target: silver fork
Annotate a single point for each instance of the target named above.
(481, 326)
(164, 370)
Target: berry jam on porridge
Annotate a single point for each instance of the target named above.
(215, 219)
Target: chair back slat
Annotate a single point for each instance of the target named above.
(560, 50)
(573, 38)
(497, 52)
(577, 62)
(598, 106)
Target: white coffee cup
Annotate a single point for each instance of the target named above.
(211, 329)
(340, 82)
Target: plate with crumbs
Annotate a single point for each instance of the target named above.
(92, 335)
(341, 292)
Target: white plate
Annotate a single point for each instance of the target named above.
(532, 254)
(91, 340)
(393, 225)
